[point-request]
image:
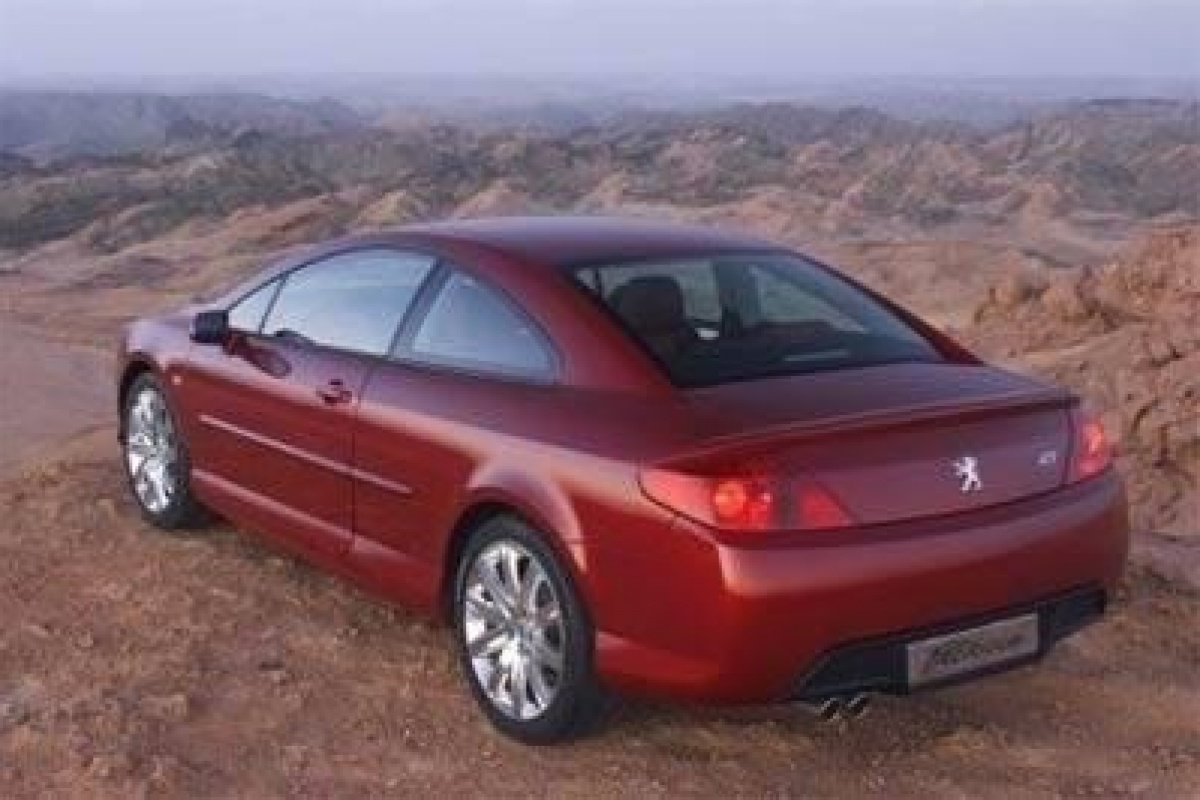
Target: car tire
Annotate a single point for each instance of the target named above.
(155, 457)
(524, 639)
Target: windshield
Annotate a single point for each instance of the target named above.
(715, 319)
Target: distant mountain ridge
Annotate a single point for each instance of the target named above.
(44, 125)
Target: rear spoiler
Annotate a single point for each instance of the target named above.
(771, 436)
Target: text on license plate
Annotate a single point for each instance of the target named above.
(974, 649)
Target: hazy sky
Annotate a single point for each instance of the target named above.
(162, 38)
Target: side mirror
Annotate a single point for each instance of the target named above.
(211, 327)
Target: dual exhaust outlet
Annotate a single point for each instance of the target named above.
(853, 706)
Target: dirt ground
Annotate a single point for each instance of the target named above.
(29, 420)
(136, 663)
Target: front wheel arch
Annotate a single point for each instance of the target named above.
(133, 370)
(183, 510)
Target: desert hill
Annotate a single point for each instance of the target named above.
(1124, 335)
(1067, 181)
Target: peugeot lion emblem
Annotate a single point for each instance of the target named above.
(966, 468)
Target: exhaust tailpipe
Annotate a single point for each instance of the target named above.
(854, 706)
(831, 709)
(826, 710)
(857, 706)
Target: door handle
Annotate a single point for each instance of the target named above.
(335, 392)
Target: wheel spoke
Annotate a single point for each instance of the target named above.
(496, 681)
(141, 483)
(527, 596)
(547, 616)
(489, 613)
(139, 444)
(510, 573)
(145, 485)
(543, 692)
(490, 577)
(546, 656)
(141, 415)
(488, 643)
(518, 686)
(158, 481)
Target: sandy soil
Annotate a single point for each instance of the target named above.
(132, 662)
(47, 391)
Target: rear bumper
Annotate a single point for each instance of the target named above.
(881, 664)
(690, 617)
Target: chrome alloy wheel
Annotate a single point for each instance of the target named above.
(513, 627)
(150, 450)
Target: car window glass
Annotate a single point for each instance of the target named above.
(471, 326)
(247, 314)
(784, 301)
(710, 320)
(354, 301)
(701, 298)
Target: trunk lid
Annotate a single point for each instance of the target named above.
(892, 442)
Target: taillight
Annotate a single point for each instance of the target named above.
(816, 508)
(745, 503)
(1091, 451)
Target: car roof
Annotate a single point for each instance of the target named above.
(579, 240)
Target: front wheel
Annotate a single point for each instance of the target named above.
(156, 458)
(524, 640)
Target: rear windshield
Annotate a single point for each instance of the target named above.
(716, 319)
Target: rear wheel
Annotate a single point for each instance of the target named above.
(155, 457)
(524, 640)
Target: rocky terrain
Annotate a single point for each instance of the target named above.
(1125, 336)
(1064, 185)
(1067, 244)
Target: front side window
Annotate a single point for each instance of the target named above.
(353, 301)
(247, 314)
(711, 320)
(470, 326)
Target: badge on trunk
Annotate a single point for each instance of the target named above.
(966, 468)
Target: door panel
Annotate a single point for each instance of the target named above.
(269, 420)
(422, 429)
(271, 413)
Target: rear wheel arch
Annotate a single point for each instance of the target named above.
(483, 511)
(468, 522)
(577, 701)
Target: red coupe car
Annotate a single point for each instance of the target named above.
(633, 457)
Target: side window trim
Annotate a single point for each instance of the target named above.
(402, 342)
(277, 280)
(402, 348)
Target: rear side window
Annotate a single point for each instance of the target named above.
(353, 301)
(471, 326)
(713, 319)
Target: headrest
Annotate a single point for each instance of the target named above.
(652, 303)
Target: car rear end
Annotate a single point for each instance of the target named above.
(858, 503)
(935, 523)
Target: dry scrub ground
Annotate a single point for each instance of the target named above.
(136, 663)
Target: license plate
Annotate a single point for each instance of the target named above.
(961, 652)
